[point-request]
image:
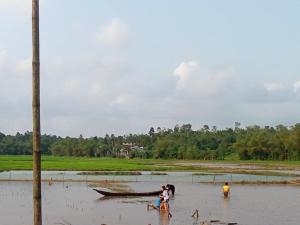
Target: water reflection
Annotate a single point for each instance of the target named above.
(225, 201)
(78, 204)
(104, 198)
(164, 218)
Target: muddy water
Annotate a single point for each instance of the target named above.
(145, 177)
(221, 165)
(77, 204)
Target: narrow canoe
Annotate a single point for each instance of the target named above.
(120, 194)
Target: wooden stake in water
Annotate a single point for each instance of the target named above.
(36, 134)
(196, 213)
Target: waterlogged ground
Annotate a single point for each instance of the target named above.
(77, 204)
(145, 177)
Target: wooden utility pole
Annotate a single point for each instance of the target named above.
(36, 134)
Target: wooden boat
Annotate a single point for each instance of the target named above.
(124, 194)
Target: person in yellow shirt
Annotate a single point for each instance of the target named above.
(226, 190)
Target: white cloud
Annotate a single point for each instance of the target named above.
(23, 67)
(196, 80)
(96, 90)
(17, 6)
(272, 87)
(107, 100)
(185, 71)
(3, 57)
(72, 86)
(114, 34)
(14, 3)
(296, 86)
(121, 99)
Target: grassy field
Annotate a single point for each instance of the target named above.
(113, 164)
(77, 163)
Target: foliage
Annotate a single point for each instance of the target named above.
(182, 142)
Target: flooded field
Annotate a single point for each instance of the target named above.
(77, 204)
(146, 176)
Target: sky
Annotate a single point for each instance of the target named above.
(124, 66)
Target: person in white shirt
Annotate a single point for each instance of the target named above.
(165, 194)
(164, 199)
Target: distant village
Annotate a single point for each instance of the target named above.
(124, 152)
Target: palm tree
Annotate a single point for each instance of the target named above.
(37, 202)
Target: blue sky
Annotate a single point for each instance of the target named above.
(124, 66)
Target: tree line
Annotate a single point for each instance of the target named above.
(181, 142)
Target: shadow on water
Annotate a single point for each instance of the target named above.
(226, 201)
(106, 198)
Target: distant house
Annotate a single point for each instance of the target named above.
(123, 153)
(136, 147)
(127, 148)
(127, 145)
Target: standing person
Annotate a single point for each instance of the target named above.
(164, 205)
(226, 190)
